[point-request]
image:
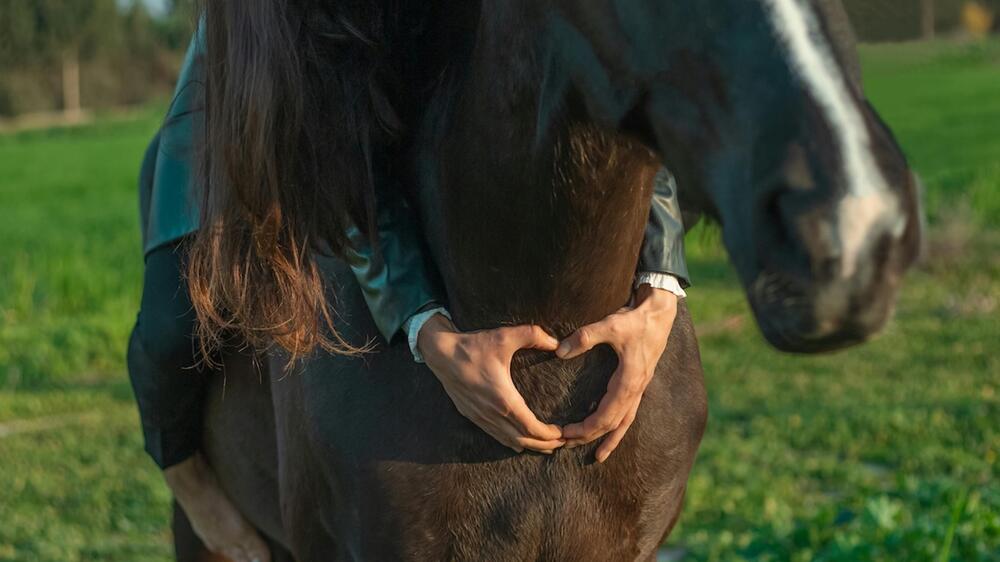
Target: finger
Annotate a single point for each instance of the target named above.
(584, 339)
(508, 434)
(234, 553)
(505, 437)
(607, 417)
(588, 432)
(513, 434)
(257, 550)
(614, 438)
(487, 425)
(630, 379)
(525, 421)
(612, 409)
(529, 337)
(546, 447)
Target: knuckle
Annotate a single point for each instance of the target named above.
(633, 386)
(598, 427)
(506, 338)
(498, 337)
(606, 424)
(536, 333)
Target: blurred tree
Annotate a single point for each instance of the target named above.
(994, 7)
(17, 26)
(108, 52)
(904, 20)
(979, 18)
(70, 29)
(57, 32)
(138, 36)
(928, 18)
(176, 27)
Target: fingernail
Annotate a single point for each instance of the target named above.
(601, 457)
(562, 351)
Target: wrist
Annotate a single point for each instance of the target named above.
(655, 299)
(190, 474)
(414, 326)
(429, 339)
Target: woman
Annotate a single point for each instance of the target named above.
(288, 104)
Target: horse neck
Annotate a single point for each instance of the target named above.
(535, 228)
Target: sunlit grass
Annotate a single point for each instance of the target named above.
(943, 103)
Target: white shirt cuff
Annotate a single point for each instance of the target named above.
(663, 281)
(413, 325)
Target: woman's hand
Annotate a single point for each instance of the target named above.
(214, 518)
(474, 369)
(638, 335)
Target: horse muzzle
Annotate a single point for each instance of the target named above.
(836, 283)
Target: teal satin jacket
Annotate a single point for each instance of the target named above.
(395, 287)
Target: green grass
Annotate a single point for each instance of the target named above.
(70, 274)
(71, 254)
(860, 455)
(885, 452)
(82, 491)
(943, 102)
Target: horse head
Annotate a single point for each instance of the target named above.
(756, 107)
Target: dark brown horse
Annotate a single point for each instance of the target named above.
(535, 161)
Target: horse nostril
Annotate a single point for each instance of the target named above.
(776, 228)
(787, 209)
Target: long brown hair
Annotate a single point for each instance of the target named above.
(294, 114)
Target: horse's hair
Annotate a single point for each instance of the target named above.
(295, 113)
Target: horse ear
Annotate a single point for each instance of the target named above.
(845, 43)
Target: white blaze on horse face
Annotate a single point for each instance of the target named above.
(868, 203)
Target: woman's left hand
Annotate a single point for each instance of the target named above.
(638, 334)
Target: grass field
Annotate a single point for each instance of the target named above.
(886, 452)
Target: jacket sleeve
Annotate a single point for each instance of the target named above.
(396, 285)
(663, 248)
(400, 281)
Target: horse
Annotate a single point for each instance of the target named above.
(534, 154)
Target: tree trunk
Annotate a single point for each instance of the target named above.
(927, 18)
(71, 86)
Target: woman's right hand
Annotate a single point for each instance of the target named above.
(474, 368)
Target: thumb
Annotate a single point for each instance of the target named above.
(583, 340)
(532, 337)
